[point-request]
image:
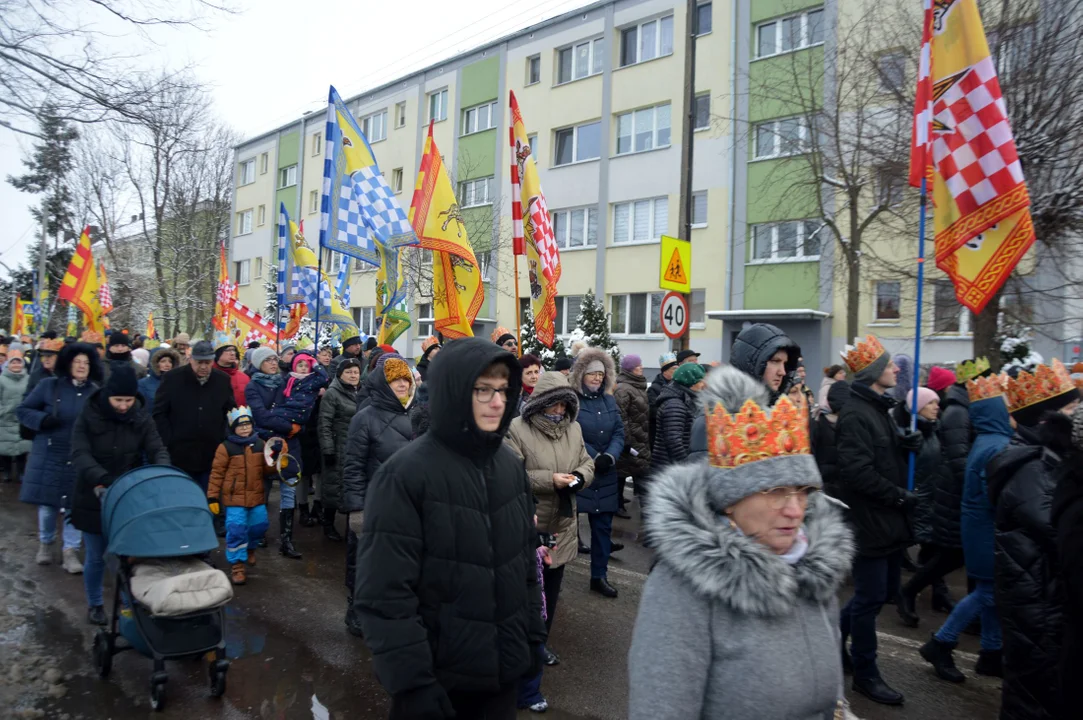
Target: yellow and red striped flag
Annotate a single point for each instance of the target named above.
(18, 318)
(80, 285)
(225, 292)
(963, 145)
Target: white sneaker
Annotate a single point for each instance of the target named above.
(71, 561)
(45, 554)
(539, 707)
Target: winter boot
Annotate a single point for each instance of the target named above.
(307, 518)
(938, 654)
(237, 574)
(353, 623)
(71, 562)
(989, 664)
(251, 556)
(904, 605)
(942, 601)
(45, 554)
(285, 542)
(317, 511)
(329, 530)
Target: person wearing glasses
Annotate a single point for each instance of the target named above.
(738, 616)
(506, 340)
(447, 589)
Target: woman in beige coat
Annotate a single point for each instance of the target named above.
(550, 442)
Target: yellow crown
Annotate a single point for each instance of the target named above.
(863, 354)
(1047, 382)
(753, 434)
(985, 388)
(970, 369)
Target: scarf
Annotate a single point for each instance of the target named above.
(528, 390)
(798, 549)
(545, 424)
(294, 378)
(238, 440)
(267, 381)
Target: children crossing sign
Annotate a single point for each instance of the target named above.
(675, 265)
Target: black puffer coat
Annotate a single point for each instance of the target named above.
(956, 438)
(1068, 522)
(756, 345)
(631, 397)
(447, 580)
(673, 436)
(337, 409)
(927, 472)
(653, 392)
(104, 446)
(1021, 481)
(825, 436)
(376, 433)
(873, 473)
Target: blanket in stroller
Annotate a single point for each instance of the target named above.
(178, 586)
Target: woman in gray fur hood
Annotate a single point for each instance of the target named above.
(739, 619)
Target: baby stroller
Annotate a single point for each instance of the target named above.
(158, 511)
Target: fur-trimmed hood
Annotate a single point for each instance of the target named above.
(731, 387)
(552, 388)
(696, 540)
(585, 357)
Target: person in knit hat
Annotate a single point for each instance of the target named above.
(337, 408)
(940, 379)
(13, 382)
(563, 365)
(430, 348)
(676, 411)
(119, 352)
(873, 483)
(352, 347)
(635, 460)
(228, 360)
(750, 557)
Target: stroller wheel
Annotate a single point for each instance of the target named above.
(157, 696)
(102, 653)
(218, 683)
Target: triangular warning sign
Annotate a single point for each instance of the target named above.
(675, 270)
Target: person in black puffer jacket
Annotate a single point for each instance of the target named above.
(676, 411)
(1067, 516)
(668, 362)
(825, 430)
(376, 433)
(754, 353)
(447, 579)
(1021, 482)
(956, 438)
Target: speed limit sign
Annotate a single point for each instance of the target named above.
(674, 315)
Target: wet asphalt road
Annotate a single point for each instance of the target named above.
(292, 657)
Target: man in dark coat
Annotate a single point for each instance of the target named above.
(447, 578)
(1067, 516)
(351, 348)
(668, 363)
(767, 354)
(119, 352)
(190, 411)
(873, 480)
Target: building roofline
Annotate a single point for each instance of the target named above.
(423, 71)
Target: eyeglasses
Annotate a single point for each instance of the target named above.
(509, 344)
(485, 394)
(778, 497)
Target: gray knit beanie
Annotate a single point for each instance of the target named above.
(260, 355)
(874, 370)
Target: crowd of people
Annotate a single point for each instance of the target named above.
(461, 481)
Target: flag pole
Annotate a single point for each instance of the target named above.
(917, 329)
(319, 293)
(518, 312)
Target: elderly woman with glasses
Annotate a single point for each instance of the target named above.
(739, 617)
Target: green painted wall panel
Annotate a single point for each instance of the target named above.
(289, 197)
(767, 9)
(784, 85)
(782, 286)
(780, 190)
(480, 82)
(287, 149)
(477, 155)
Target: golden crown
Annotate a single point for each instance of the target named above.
(985, 388)
(755, 434)
(1047, 382)
(970, 369)
(863, 354)
(498, 332)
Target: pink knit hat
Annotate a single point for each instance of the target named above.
(925, 396)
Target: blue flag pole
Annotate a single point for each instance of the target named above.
(917, 329)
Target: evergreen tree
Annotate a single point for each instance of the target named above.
(533, 346)
(49, 165)
(594, 322)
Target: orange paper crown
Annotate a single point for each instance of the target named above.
(753, 434)
(986, 388)
(498, 332)
(92, 336)
(431, 340)
(863, 354)
(1047, 382)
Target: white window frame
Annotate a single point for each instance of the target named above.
(287, 176)
(365, 317)
(774, 127)
(876, 302)
(470, 118)
(632, 117)
(652, 321)
(562, 221)
(777, 22)
(263, 162)
(707, 97)
(244, 222)
(595, 59)
(469, 195)
(261, 215)
(653, 204)
(313, 201)
(317, 144)
(396, 180)
(259, 267)
(568, 324)
(576, 129)
(440, 96)
(700, 324)
(244, 270)
(700, 194)
(801, 235)
(400, 115)
(425, 322)
(530, 62)
(374, 125)
(659, 42)
(246, 172)
(699, 7)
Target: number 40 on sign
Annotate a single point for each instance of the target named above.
(674, 315)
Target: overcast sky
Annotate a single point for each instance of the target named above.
(274, 59)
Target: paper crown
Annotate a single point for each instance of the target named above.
(429, 342)
(238, 413)
(862, 355)
(498, 332)
(986, 388)
(92, 337)
(47, 345)
(970, 369)
(1047, 382)
(754, 434)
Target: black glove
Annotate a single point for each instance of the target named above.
(49, 422)
(911, 441)
(330, 461)
(536, 661)
(603, 463)
(428, 702)
(908, 501)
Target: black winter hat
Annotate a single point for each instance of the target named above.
(562, 364)
(371, 343)
(222, 349)
(119, 338)
(346, 365)
(122, 382)
(351, 341)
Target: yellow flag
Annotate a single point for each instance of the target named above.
(81, 286)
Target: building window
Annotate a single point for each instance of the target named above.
(261, 215)
(263, 164)
(317, 144)
(313, 201)
(375, 126)
(703, 19)
(699, 209)
(890, 186)
(576, 228)
(241, 272)
(703, 111)
(532, 141)
(400, 115)
(438, 105)
(779, 138)
(948, 315)
(246, 172)
(790, 33)
(697, 309)
(652, 39)
(568, 307)
(287, 177)
(533, 69)
(891, 70)
(635, 314)
(473, 193)
(425, 321)
(579, 143)
(365, 318)
(485, 264)
(259, 268)
(244, 222)
(640, 220)
(887, 300)
(396, 180)
(482, 117)
(644, 129)
(793, 240)
(580, 61)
